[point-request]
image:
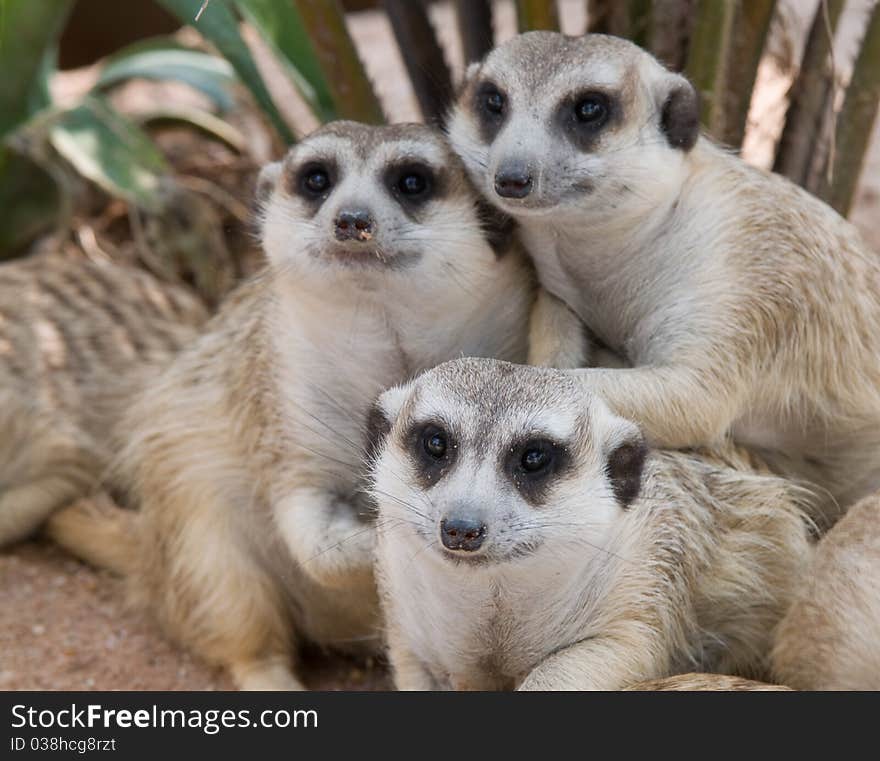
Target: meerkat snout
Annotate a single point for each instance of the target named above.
(355, 224)
(461, 532)
(513, 179)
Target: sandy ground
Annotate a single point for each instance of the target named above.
(66, 626)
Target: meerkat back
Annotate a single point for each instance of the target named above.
(74, 338)
(830, 638)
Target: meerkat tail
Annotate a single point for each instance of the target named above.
(97, 531)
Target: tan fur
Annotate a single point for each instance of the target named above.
(76, 338)
(705, 682)
(830, 639)
(743, 305)
(245, 455)
(575, 591)
(98, 531)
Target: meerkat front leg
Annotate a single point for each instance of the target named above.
(606, 662)
(557, 337)
(676, 406)
(326, 536)
(409, 672)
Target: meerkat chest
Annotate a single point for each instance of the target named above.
(479, 631)
(626, 293)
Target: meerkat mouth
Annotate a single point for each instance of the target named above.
(490, 558)
(527, 206)
(359, 254)
(367, 256)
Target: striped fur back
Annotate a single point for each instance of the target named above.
(76, 338)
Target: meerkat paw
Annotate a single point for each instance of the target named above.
(332, 544)
(557, 337)
(347, 550)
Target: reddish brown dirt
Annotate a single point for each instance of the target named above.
(64, 626)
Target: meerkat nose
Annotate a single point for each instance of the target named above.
(464, 534)
(354, 224)
(513, 180)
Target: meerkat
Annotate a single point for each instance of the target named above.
(705, 683)
(529, 539)
(830, 638)
(742, 305)
(253, 531)
(75, 337)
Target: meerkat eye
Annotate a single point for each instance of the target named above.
(592, 109)
(316, 180)
(494, 101)
(434, 441)
(413, 183)
(491, 100)
(535, 459)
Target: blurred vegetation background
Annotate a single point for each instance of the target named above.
(134, 129)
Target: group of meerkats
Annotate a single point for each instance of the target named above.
(351, 452)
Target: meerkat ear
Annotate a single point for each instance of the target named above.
(498, 227)
(469, 73)
(381, 417)
(266, 182)
(624, 468)
(680, 114)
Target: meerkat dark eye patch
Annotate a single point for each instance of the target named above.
(413, 183)
(583, 115)
(624, 470)
(314, 181)
(433, 452)
(532, 464)
(490, 107)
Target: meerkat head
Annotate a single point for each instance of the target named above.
(484, 462)
(549, 123)
(367, 198)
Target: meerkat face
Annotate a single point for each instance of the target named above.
(368, 198)
(483, 462)
(548, 122)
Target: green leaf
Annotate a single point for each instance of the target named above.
(203, 121)
(324, 23)
(164, 59)
(29, 31)
(219, 25)
(29, 199)
(282, 28)
(111, 151)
